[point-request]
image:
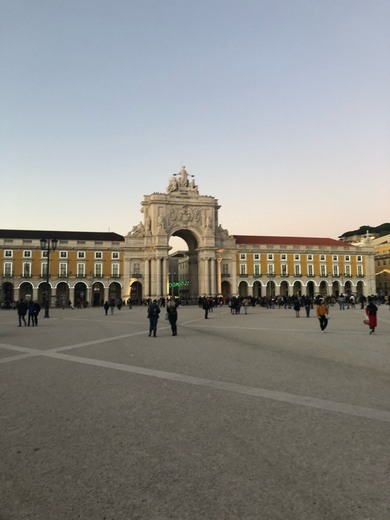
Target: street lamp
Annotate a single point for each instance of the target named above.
(48, 245)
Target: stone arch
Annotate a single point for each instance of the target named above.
(97, 294)
(284, 288)
(80, 295)
(243, 289)
(115, 291)
(26, 290)
(7, 293)
(180, 212)
(136, 293)
(256, 289)
(297, 288)
(310, 289)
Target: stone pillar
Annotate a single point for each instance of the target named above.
(147, 279)
(213, 289)
(165, 277)
(219, 275)
(158, 292)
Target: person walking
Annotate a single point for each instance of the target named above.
(206, 307)
(322, 311)
(106, 307)
(21, 307)
(307, 304)
(371, 312)
(37, 308)
(31, 314)
(112, 305)
(297, 307)
(172, 315)
(153, 315)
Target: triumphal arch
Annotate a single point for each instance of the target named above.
(179, 212)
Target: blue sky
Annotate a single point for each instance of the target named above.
(280, 108)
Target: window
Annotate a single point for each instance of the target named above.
(99, 269)
(270, 256)
(81, 255)
(242, 256)
(8, 253)
(297, 270)
(360, 270)
(225, 268)
(27, 254)
(256, 257)
(242, 268)
(115, 270)
(310, 270)
(322, 258)
(257, 270)
(271, 269)
(137, 269)
(43, 269)
(63, 270)
(323, 270)
(80, 270)
(283, 257)
(284, 270)
(7, 269)
(335, 258)
(63, 254)
(359, 258)
(44, 253)
(115, 255)
(335, 270)
(347, 270)
(98, 255)
(309, 258)
(26, 269)
(297, 258)
(347, 258)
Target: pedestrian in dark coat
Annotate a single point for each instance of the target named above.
(31, 314)
(206, 307)
(371, 311)
(37, 311)
(106, 307)
(172, 315)
(21, 307)
(153, 315)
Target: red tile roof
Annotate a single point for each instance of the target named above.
(290, 241)
(60, 235)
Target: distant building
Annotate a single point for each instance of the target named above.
(90, 268)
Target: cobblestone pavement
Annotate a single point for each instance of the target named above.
(257, 416)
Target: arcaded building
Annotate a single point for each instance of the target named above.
(94, 267)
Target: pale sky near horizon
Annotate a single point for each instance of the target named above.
(280, 108)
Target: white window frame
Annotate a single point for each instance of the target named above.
(243, 269)
(257, 269)
(360, 270)
(115, 269)
(63, 254)
(335, 258)
(270, 256)
(270, 269)
(256, 257)
(310, 270)
(284, 269)
(359, 258)
(297, 258)
(27, 269)
(309, 258)
(323, 271)
(242, 256)
(322, 258)
(98, 269)
(8, 269)
(347, 258)
(80, 273)
(348, 270)
(8, 253)
(27, 253)
(43, 269)
(225, 268)
(297, 270)
(283, 257)
(336, 271)
(63, 269)
(80, 255)
(98, 255)
(115, 255)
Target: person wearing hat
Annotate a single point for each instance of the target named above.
(322, 311)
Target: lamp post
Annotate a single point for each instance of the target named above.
(48, 245)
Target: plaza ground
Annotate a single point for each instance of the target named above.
(256, 416)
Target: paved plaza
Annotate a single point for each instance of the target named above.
(257, 416)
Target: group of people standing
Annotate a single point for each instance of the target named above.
(154, 314)
(29, 308)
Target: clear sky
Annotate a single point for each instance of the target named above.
(280, 108)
